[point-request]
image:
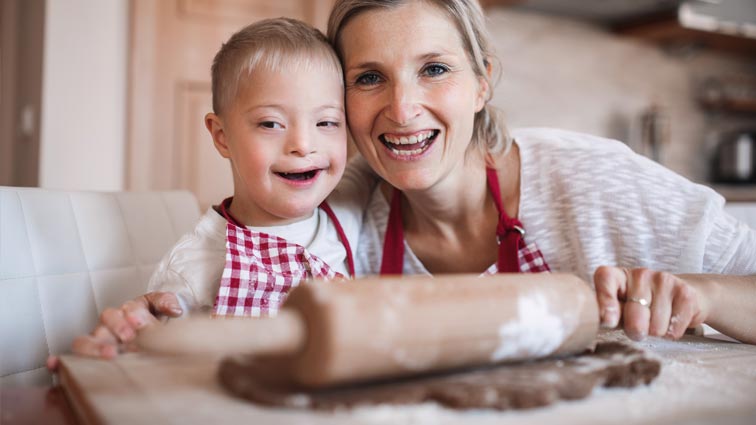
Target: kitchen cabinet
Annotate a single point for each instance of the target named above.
(666, 30)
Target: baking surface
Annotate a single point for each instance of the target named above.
(701, 381)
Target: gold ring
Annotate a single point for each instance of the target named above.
(642, 301)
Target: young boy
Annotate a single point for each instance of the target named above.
(279, 119)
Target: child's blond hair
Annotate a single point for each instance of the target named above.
(272, 44)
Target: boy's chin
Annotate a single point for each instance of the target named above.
(301, 210)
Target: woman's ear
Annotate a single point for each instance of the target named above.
(482, 95)
(484, 86)
(214, 125)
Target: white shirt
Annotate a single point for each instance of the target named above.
(588, 201)
(192, 269)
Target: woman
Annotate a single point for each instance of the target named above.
(418, 78)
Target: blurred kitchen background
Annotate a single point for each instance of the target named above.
(111, 94)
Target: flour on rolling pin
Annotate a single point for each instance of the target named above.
(537, 331)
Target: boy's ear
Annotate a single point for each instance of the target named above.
(214, 125)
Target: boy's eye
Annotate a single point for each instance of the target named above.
(270, 124)
(333, 124)
(368, 79)
(434, 70)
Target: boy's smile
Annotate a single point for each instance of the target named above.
(300, 177)
(285, 134)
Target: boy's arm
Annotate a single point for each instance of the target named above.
(118, 326)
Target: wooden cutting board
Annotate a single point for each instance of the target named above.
(701, 380)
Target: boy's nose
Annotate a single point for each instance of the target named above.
(300, 142)
(403, 104)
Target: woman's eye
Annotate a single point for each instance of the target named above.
(270, 124)
(331, 124)
(368, 79)
(435, 70)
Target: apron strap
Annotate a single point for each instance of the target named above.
(226, 204)
(509, 231)
(393, 243)
(342, 235)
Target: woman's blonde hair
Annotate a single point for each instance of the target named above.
(489, 131)
(272, 44)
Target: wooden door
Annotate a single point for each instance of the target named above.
(21, 50)
(172, 46)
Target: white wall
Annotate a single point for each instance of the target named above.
(562, 73)
(83, 120)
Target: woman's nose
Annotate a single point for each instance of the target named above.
(403, 104)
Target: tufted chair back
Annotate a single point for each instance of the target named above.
(66, 256)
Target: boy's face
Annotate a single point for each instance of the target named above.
(285, 134)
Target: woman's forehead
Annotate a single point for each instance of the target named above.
(414, 28)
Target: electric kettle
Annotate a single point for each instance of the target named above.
(735, 158)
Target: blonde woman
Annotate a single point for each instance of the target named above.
(461, 195)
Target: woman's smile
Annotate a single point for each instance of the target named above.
(409, 146)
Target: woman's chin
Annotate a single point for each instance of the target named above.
(413, 180)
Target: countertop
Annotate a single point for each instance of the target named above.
(702, 381)
(735, 193)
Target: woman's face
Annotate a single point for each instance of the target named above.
(411, 94)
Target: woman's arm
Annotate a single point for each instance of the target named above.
(662, 304)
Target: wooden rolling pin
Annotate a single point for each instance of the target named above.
(331, 333)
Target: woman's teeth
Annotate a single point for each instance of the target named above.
(411, 140)
(409, 145)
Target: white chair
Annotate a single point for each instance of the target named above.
(66, 256)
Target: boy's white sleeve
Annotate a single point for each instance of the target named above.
(167, 279)
(193, 268)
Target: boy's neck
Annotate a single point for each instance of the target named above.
(250, 217)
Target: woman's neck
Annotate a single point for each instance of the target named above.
(461, 202)
(451, 227)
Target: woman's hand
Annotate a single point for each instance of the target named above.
(118, 326)
(648, 302)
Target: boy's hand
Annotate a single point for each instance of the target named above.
(118, 326)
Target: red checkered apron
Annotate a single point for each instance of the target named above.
(515, 256)
(261, 269)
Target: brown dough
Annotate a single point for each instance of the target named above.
(508, 386)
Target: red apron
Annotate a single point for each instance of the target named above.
(514, 255)
(261, 268)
